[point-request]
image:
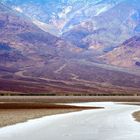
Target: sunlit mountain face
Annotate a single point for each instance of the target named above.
(96, 25)
(61, 15)
(81, 46)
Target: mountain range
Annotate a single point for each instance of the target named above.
(96, 26)
(70, 46)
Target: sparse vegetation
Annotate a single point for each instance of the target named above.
(69, 99)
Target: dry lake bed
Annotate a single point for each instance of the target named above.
(113, 122)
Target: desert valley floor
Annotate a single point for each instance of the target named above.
(113, 122)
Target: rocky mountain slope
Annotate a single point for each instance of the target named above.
(125, 55)
(104, 32)
(34, 61)
(20, 36)
(95, 26)
(62, 15)
(91, 22)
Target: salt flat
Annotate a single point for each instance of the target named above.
(115, 122)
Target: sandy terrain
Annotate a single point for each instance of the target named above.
(13, 116)
(11, 113)
(137, 116)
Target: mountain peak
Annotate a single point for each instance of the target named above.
(61, 14)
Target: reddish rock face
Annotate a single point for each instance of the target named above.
(125, 55)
